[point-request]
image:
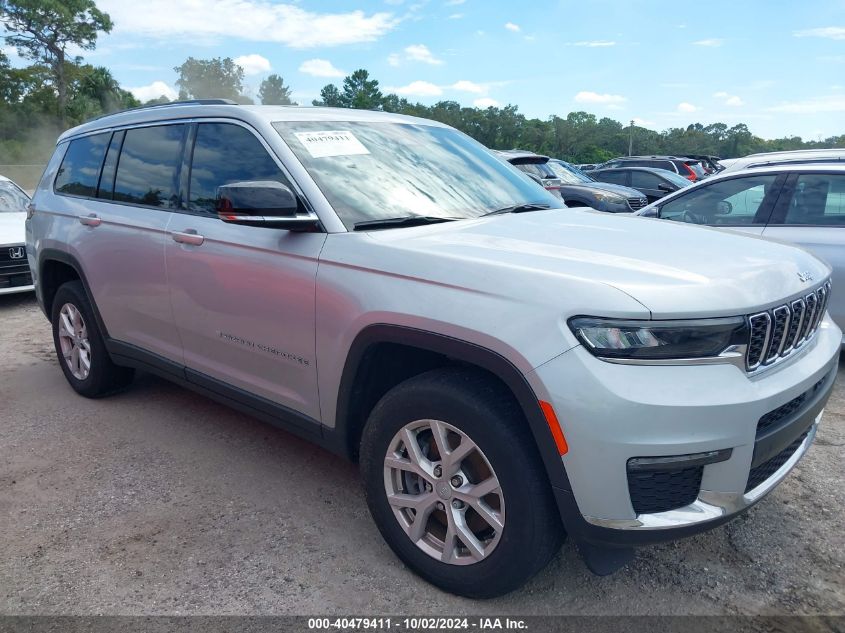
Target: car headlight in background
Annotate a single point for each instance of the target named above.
(610, 198)
(659, 340)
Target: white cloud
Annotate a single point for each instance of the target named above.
(252, 20)
(154, 91)
(712, 42)
(813, 105)
(420, 53)
(510, 26)
(828, 32)
(468, 86)
(418, 89)
(643, 123)
(452, 3)
(593, 43)
(456, 16)
(594, 97)
(728, 99)
(320, 68)
(393, 59)
(485, 102)
(253, 64)
(686, 107)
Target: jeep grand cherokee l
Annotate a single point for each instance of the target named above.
(505, 371)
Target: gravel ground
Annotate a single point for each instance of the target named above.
(159, 501)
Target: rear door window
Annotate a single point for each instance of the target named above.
(148, 168)
(817, 200)
(644, 180)
(80, 170)
(615, 177)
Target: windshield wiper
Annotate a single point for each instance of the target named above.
(408, 220)
(518, 208)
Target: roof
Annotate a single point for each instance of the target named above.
(779, 168)
(248, 113)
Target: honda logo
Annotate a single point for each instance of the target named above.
(16, 253)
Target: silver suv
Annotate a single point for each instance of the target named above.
(505, 371)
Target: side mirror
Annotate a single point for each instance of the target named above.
(723, 207)
(264, 203)
(665, 186)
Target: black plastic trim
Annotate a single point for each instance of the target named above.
(261, 408)
(776, 439)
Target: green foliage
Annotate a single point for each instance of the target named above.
(217, 78)
(273, 91)
(42, 30)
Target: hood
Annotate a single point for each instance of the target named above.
(12, 228)
(675, 270)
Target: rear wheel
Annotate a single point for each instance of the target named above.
(80, 346)
(455, 486)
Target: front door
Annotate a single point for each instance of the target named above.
(243, 296)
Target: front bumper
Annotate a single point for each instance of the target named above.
(611, 414)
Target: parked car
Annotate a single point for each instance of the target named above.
(803, 204)
(14, 270)
(651, 182)
(504, 372)
(536, 166)
(687, 167)
(579, 190)
(711, 164)
(801, 156)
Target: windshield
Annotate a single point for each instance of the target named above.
(378, 170)
(569, 174)
(12, 199)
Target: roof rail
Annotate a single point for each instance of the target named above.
(169, 103)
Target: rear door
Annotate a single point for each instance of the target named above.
(648, 183)
(122, 187)
(243, 296)
(811, 213)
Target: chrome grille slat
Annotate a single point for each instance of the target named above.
(780, 323)
(777, 332)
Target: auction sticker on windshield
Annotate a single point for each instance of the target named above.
(331, 143)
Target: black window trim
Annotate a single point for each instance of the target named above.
(778, 215)
(764, 211)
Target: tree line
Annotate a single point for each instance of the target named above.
(58, 90)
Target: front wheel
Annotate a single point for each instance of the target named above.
(455, 484)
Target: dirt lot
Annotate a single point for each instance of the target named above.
(158, 501)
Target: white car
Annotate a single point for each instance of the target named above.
(14, 269)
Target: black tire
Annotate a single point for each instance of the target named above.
(481, 408)
(104, 377)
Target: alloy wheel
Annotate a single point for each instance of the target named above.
(74, 343)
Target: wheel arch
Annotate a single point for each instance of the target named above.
(429, 350)
(55, 268)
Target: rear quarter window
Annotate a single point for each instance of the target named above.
(80, 169)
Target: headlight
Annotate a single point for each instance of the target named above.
(612, 198)
(659, 340)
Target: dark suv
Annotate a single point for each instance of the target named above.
(575, 187)
(689, 168)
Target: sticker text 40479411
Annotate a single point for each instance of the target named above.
(331, 143)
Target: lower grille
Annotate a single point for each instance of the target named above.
(765, 470)
(774, 417)
(662, 490)
(15, 276)
(637, 203)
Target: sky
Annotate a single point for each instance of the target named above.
(778, 66)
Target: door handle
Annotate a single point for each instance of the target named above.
(188, 236)
(90, 220)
